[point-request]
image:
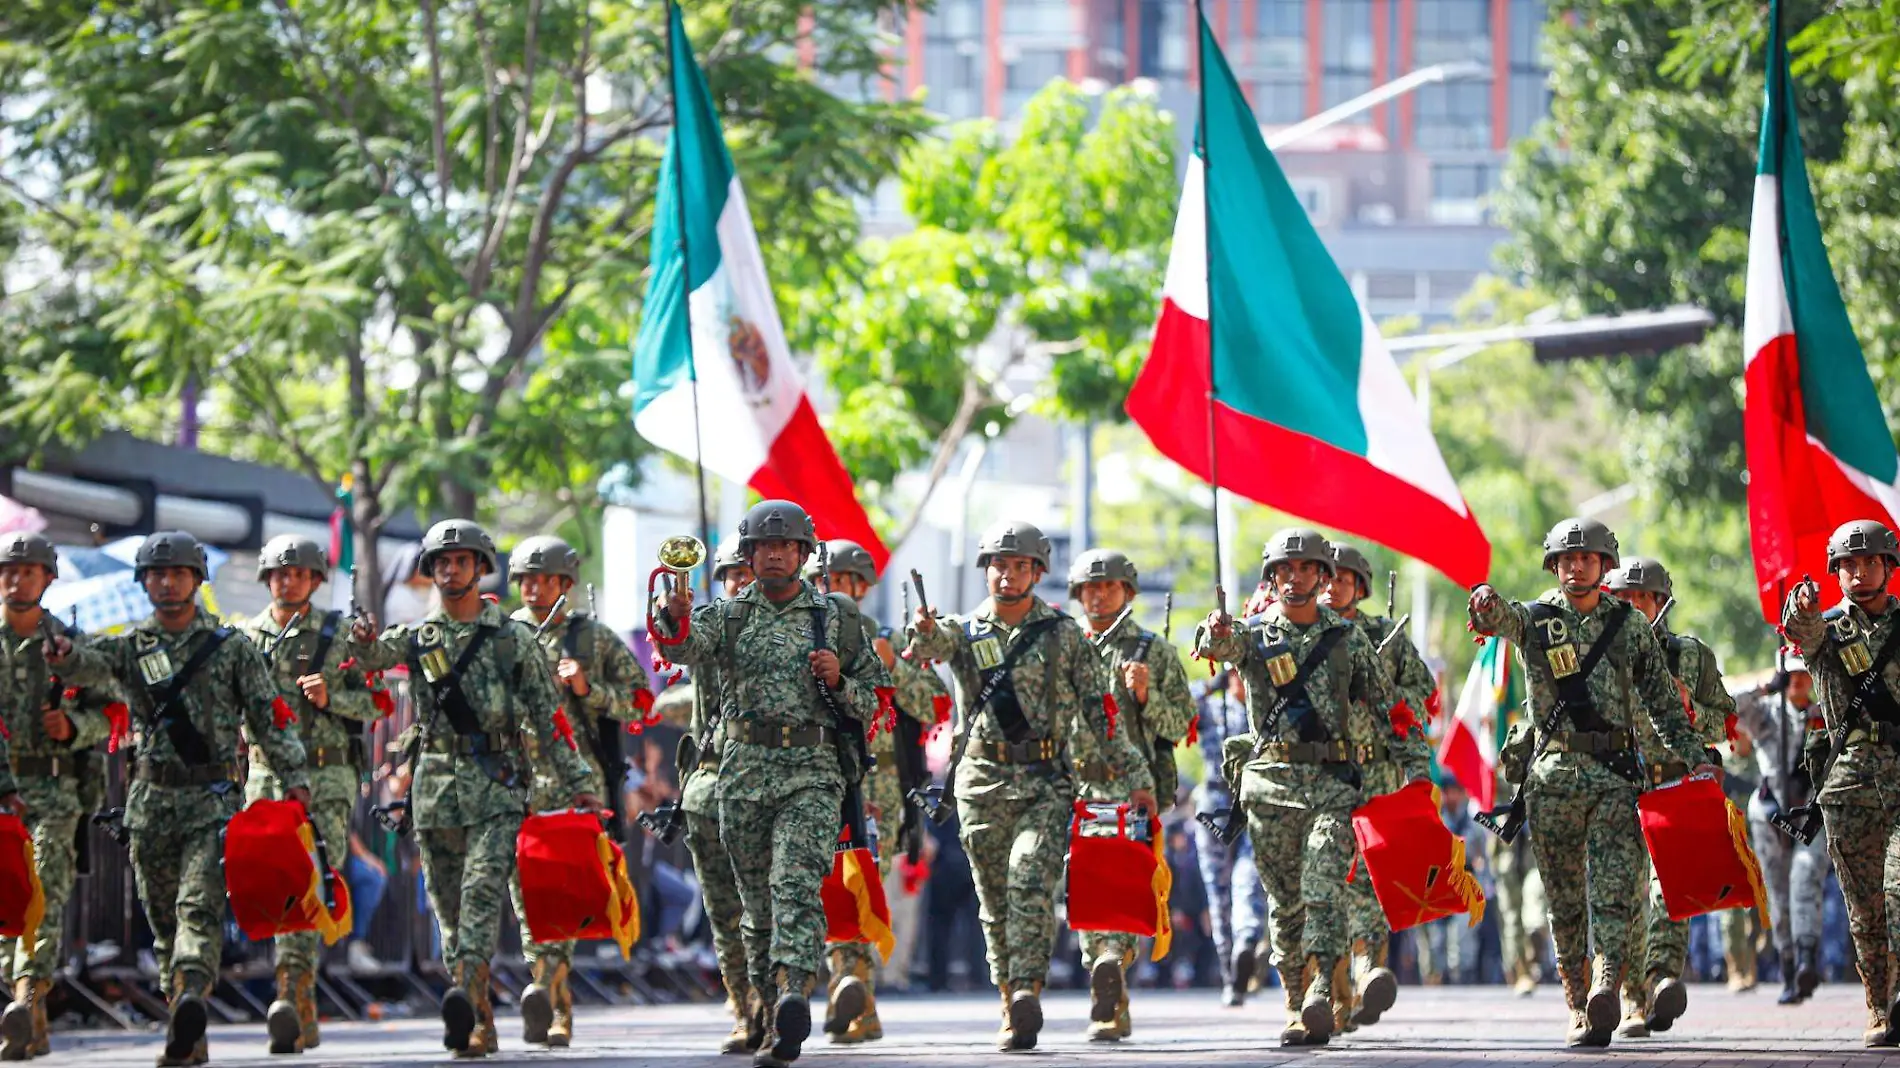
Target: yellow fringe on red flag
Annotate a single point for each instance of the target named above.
(1738, 837)
(1163, 884)
(879, 932)
(332, 928)
(623, 908)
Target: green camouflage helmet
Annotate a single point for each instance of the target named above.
(291, 550)
(727, 558)
(1862, 537)
(451, 534)
(545, 554)
(1580, 535)
(846, 557)
(1013, 538)
(1102, 565)
(1640, 573)
(1296, 543)
(170, 548)
(24, 548)
(772, 520)
(1349, 558)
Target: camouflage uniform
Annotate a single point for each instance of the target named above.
(780, 786)
(1582, 813)
(1794, 874)
(470, 792)
(334, 762)
(1152, 727)
(718, 885)
(1014, 802)
(617, 691)
(1300, 775)
(1860, 793)
(176, 811)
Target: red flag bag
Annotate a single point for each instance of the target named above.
(574, 882)
(276, 877)
(1417, 866)
(1698, 841)
(856, 909)
(1119, 878)
(22, 899)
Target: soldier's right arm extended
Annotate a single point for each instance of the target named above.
(1806, 629)
(1233, 649)
(387, 650)
(941, 643)
(705, 633)
(1505, 619)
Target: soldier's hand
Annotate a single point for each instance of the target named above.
(586, 802)
(1135, 677)
(57, 725)
(1145, 801)
(1713, 771)
(570, 672)
(886, 653)
(1806, 597)
(824, 665)
(54, 650)
(1483, 599)
(301, 795)
(925, 620)
(363, 628)
(315, 690)
(1220, 624)
(14, 804)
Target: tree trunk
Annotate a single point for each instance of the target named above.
(368, 518)
(974, 393)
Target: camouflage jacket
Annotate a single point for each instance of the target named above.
(1165, 716)
(325, 732)
(616, 687)
(1630, 685)
(762, 650)
(1060, 682)
(1413, 682)
(1833, 643)
(1350, 696)
(24, 685)
(1693, 664)
(514, 699)
(699, 781)
(916, 685)
(231, 697)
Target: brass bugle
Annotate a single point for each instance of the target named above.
(682, 553)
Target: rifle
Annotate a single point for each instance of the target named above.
(928, 798)
(1101, 640)
(1397, 629)
(112, 822)
(913, 770)
(1391, 593)
(1167, 617)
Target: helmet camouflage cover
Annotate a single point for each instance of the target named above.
(291, 550)
(1013, 538)
(1102, 565)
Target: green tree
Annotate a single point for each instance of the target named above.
(1636, 194)
(1043, 247)
(403, 241)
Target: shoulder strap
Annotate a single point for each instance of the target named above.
(1872, 694)
(1672, 651)
(1573, 690)
(1009, 714)
(326, 636)
(447, 688)
(187, 740)
(571, 645)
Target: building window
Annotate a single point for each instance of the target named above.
(1276, 61)
(1392, 288)
(1454, 116)
(1346, 50)
(954, 57)
(1453, 30)
(1026, 74)
(1165, 26)
(1530, 78)
(1042, 20)
(1461, 192)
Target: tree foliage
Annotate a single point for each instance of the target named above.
(400, 240)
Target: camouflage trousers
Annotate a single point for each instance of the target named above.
(1795, 875)
(1520, 905)
(1365, 917)
(52, 817)
(720, 889)
(299, 952)
(1016, 848)
(1659, 944)
(1302, 855)
(781, 851)
(1590, 852)
(180, 877)
(1864, 840)
(469, 870)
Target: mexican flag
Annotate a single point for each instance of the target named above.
(713, 378)
(1819, 450)
(1493, 693)
(343, 544)
(1311, 413)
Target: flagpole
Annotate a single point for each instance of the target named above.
(1207, 269)
(686, 282)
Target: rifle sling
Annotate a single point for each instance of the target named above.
(187, 742)
(1872, 688)
(447, 689)
(1015, 725)
(1573, 690)
(1295, 689)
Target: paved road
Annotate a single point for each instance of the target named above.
(1442, 1028)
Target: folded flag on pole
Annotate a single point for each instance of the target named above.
(1820, 452)
(1309, 406)
(710, 344)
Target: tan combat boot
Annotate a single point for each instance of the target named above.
(1316, 1009)
(791, 1020)
(1125, 1024)
(1576, 993)
(738, 1004)
(16, 1024)
(867, 1027)
(185, 1032)
(1378, 986)
(1025, 1014)
(458, 1010)
(1294, 987)
(846, 995)
(1004, 1036)
(482, 994)
(1342, 994)
(1878, 1034)
(280, 1022)
(561, 1031)
(305, 989)
(42, 1034)
(1603, 1008)
(1108, 988)
(537, 1004)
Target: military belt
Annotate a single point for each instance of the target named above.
(1876, 733)
(1667, 771)
(1093, 770)
(186, 774)
(44, 767)
(1310, 752)
(1596, 743)
(1027, 751)
(479, 744)
(1372, 752)
(314, 756)
(779, 737)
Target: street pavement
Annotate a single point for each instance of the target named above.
(1439, 1028)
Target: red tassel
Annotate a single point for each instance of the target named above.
(1353, 872)
(886, 713)
(1111, 711)
(1728, 728)
(1404, 720)
(643, 700)
(940, 705)
(119, 718)
(385, 702)
(69, 693)
(563, 729)
(4, 732)
(282, 715)
(1435, 706)
(678, 674)
(347, 664)
(1194, 730)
